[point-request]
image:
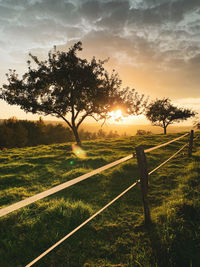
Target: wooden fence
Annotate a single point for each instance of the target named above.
(144, 174)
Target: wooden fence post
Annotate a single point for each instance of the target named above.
(190, 143)
(142, 164)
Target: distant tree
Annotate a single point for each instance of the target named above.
(85, 135)
(162, 113)
(58, 133)
(116, 135)
(19, 135)
(143, 132)
(101, 133)
(93, 136)
(6, 136)
(41, 128)
(65, 84)
(35, 133)
(112, 134)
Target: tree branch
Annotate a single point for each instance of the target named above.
(82, 119)
(64, 119)
(93, 117)
(75, 117)
(103, 122)
(168, 123)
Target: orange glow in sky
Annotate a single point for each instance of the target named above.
(115, 116)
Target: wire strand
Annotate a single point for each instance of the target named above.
(165, 144)
(163, 163)
(80, 226)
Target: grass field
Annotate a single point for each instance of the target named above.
(118, 235)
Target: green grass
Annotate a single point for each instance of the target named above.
(116, 236)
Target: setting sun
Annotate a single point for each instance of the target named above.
(116, 116)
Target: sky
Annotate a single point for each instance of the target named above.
(154, 45)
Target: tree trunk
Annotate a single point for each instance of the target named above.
(165, 129)
(76, 135)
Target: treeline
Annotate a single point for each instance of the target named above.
(86, 135)
(22, 133)
(143, 132)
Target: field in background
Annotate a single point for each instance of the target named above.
(132, 129)
(118, 234)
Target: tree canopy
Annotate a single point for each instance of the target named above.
(162, 113)
(70, 88)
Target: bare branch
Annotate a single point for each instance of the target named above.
(82, 119)
(61, 116)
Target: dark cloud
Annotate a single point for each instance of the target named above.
(115, 16)
(91, 10)
(6, 12)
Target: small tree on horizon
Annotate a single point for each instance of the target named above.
(71, 88)
(162, 113)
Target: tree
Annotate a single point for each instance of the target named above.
(6, 136)
(162, 113)
(70, 88)
(19, 136)
(143, 132)
(101, 133)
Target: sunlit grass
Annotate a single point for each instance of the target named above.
(118, 234)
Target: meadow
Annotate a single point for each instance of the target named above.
(117, 236)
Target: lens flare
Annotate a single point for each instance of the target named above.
(78, 151)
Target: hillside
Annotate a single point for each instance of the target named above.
(132, 129)
(118, 235)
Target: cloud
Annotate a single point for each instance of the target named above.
(191, 103)
(154, 44)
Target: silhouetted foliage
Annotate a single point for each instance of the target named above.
(65, 84)
(162, 113)
(101, 134)
(112, 134)
(21, 133)
(85, 135)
